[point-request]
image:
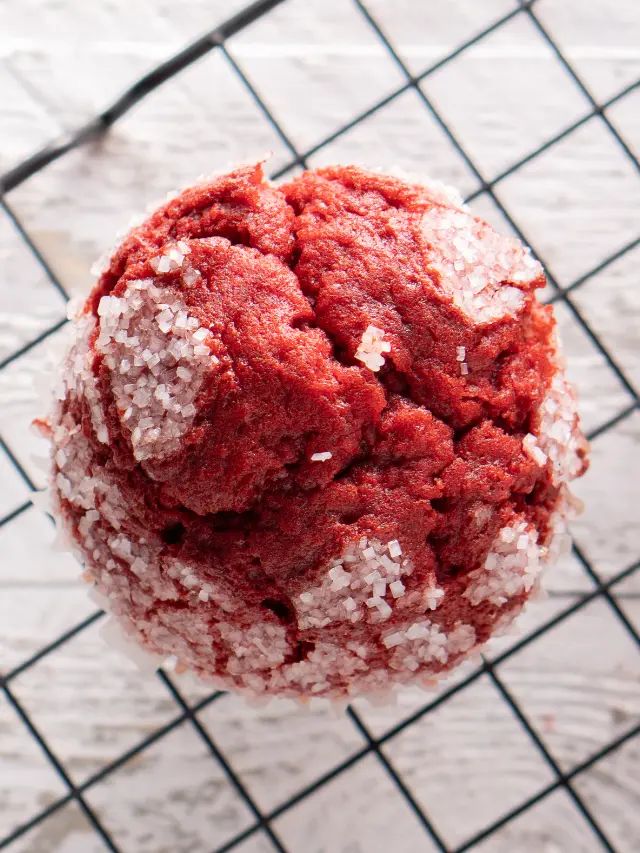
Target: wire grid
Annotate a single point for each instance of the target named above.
(602, 590)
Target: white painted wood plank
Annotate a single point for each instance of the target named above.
(608, 528)
(89, 702)
(173, 798)
(66, 831)
(554, 826)
(280, 748)
(579, 684)
(610, 303)
(577, 202)
(358, 812)
(100, 705)
(28, 783)
(29, 304)
(505, 108)
(474, 749)
(612, 790)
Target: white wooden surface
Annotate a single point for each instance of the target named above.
(317, 64)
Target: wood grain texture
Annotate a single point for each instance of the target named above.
(258, 741)
(28, 783)
(423, 35)
(402, 134)
(577, 202)
(579, 684)
(612, 790)
(173, 798)
(66, 831)
(358, 812)
(625, 115)
(24, 311)
(317, 64)
(101, 706)
(612, 309)
(608, 530)
(552, 826)
(603, 47)
(502, 110)
(468, 761)
(14, 490)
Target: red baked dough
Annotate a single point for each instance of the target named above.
(314, 439)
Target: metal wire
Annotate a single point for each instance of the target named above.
(603, 590)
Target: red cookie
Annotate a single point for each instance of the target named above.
(315, 439)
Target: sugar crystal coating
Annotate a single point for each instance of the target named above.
(158, 359)
(314, 440)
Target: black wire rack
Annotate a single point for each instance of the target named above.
(603, 590)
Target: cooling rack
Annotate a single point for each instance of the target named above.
(374, 744)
